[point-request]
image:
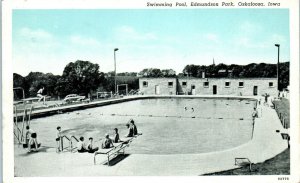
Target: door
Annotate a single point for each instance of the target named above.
(193, 90)
(215, 89)
(156, 90)
(255, 90)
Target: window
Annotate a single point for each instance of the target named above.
(170, 84)
(206, 84)
(227, 84)
(241, 84)
(145, 84)
(184, 84)
(271, 84)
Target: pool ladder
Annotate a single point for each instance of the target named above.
(70, 148)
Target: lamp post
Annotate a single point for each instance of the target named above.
(278, 46)
(116, 49)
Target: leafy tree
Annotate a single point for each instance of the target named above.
(192, 70)
(168, 73)
(80, 77)
(151, 72)
(36, 80)
(18, 81)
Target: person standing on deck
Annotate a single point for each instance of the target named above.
(254, 114)
(59, 139)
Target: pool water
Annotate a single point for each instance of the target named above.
(166, 126)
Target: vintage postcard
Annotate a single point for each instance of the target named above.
(152, 90)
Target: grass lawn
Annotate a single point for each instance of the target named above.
(280, 164)
(283, 108)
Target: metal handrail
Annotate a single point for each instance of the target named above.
(247, 159)
(71, 142)
(120, 147)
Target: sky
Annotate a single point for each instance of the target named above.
(47, 40)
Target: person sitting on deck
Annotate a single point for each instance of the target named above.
(81, 146)
(59, 139)
(130, 130)
(107, 142)
(27, 137)
(135, 132)
(32, 141)
(91, 149)
(40, 94)
(117, 136)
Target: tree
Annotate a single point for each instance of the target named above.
(168, 73)
(80, 77)
(151, 72)
(18, 81)
(284, 75)
(35, 80)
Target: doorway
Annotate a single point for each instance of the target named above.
(156, 90)
(193, 90)
(215, 91)
(255, 90)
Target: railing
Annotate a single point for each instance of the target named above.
(114, 151)
(71, 143)
(62, 143)
(69, 139)
(243, 162)
(133, 92)
(26, 116)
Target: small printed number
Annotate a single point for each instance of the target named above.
(283, 178)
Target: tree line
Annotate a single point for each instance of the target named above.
(84, 77)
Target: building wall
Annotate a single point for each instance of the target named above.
(161, 83)
(199, 88)
(233, 89)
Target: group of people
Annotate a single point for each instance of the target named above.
(107, 142)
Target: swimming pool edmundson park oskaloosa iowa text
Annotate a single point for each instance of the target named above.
(216, 4)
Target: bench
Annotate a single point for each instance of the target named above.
(243, 162)
(119, 148)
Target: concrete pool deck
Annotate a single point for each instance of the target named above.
(266, 143)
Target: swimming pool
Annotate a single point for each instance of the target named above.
(167, 127)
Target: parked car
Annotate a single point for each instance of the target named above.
(73, 97)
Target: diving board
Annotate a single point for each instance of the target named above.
(119, 148)
(34, 99)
